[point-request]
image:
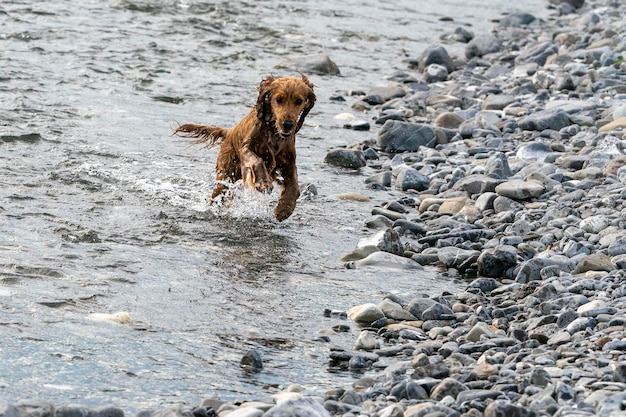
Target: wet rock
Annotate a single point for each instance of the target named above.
(252, 361)
(386, 240)
(317, 64)
(365, 313)
(397, 136)
(384, 260)
(346, 158)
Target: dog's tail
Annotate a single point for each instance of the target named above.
(210, 136)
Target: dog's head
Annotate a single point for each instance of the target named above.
(284, 102)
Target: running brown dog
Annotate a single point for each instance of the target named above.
(261, 148)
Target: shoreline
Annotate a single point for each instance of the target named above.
(501, 346)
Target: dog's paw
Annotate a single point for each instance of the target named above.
(283, 211)
(264, 187)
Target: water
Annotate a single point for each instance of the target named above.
(102, 210)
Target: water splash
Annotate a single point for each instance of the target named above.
(243, 203)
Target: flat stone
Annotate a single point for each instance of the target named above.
(520, 189)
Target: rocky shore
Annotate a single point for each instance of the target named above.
(510, 170)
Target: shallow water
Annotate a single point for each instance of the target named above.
(102, 211)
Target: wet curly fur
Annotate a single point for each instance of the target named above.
(261, 148)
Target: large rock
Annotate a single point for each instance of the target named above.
(477, 183)
(520, 189)
(397, 136)
(411, 179)
(517, 19)
(453, 257)
(498, 166)
(537, 53)
(574, 3)
(494, 262)
(482, 45)
(346, 158)
(388, 92)
(365, 313)
(436, 54)
(555, 120)
(318, 64)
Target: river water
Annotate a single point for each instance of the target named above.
(103, 211)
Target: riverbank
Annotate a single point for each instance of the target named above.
(473, 199)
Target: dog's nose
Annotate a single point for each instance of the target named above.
(287, 124)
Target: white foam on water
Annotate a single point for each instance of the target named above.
(243, 203)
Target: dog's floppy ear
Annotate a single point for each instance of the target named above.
(310, 98)
(263, 106)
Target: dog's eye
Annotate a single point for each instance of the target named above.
(279, 99)
(298, 101)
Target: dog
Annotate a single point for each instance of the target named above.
(261, 148)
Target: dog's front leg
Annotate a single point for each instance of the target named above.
(291, 191)
(253, 171)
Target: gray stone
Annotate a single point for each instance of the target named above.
(346, 158)
(498, 101)
(617, 247)
(482, 45)
(503, 204)
(555, 120)
(251, 361)
(382, 178)
(594, 224)
(534, 150)
(387, 92)
(594, 262)
(409, 390)
(574, 3)
(417, 306)
(477, 183)
(318, 64)
(498, 166)
(503, 408)
(394, 310)
(365, 313)
(496, 261)
(435, 73)
(453, 257)
(520, 189)
(517, 19)
(485, 201)
(300, 407)
(411, 179)
(536, 53)
(398, 136)
(384, 240)
(437, 312)
(436, 54)
(448, 386)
